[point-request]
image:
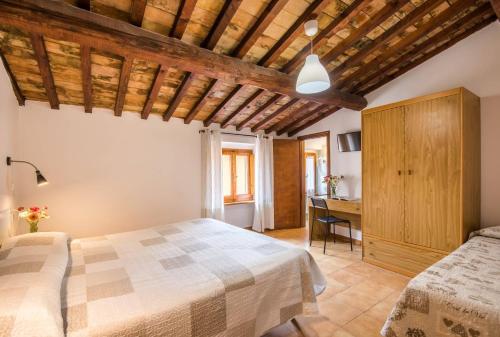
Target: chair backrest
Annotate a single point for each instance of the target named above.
(319, 203)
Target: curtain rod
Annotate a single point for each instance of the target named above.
(232, 133)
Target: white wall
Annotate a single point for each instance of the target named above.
(490, 161)
(473, 63)
(8, 116)
(107, 174)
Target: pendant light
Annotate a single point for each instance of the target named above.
(313, 77)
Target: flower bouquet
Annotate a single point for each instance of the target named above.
(332, 182)
(33, 215)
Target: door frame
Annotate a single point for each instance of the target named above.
(302, 139)
(311, 154)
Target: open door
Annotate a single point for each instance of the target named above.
(287, 183)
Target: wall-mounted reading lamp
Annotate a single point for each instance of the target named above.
(40, 179)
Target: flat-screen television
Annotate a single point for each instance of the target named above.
(349, 142)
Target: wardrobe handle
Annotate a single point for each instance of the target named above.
(410, 172)
(399, 172)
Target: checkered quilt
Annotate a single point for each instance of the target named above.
(198, 278)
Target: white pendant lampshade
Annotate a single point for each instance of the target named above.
(313, 77)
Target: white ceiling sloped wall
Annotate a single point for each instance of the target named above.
(473, 63)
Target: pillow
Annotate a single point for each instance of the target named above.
(32, 268)
(489, 232)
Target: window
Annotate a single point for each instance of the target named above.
(237, 175)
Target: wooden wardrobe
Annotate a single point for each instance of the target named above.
(421, 179)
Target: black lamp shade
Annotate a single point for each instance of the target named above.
(40, 179)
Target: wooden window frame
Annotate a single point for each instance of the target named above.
(237, 198)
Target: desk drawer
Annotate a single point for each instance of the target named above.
(398, 257)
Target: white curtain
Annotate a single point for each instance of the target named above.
(264, 189)
(211, 161)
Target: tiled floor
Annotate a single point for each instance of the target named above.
(358, 298)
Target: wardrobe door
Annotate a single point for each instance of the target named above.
(383, 163)
(432, 173)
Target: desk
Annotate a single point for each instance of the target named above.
(345, 209)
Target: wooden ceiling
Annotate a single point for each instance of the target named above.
(222, 61)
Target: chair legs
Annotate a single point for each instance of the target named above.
(350, 233)
(333, 232)
(311, 233)
(327, 229)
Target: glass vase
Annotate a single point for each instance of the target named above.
(33, 227)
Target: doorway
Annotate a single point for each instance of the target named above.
(315, 155)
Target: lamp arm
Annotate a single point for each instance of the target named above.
(10, 161)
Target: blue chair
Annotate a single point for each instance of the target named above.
(320, 204)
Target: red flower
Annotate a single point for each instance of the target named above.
(20, 209)
(34, 209)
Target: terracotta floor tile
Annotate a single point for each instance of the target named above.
(338, 310)
(364, 326)
(358, 297)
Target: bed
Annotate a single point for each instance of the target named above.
(458, 296)
(196, 278)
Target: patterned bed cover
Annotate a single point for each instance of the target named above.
(191, 279)
(458, 296)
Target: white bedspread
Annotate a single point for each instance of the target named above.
(191, 279)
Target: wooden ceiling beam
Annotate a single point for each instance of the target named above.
(223, 19)
(225, 123)
(310, 122)
(387, 78)
(85, 66)
(339, 23)
(296, 30)
(178, 95)
(15, 87)
(293, 117)
(388, 35)
(186, 8)
(211, 118)
(424, 47)
(137, 9)
(61, 21)
(260, 25)
(44, 66)
(389, 52)
(201, 101)
(496, 7)
(259, 125)
(123, 85)
(257, 112)
(154, 91)
(83, 4)
(294, 122)
(381, 16)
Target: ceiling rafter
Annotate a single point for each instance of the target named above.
(123, 85)
(42, 59)
(201, 101)
(137, 9)
(257, 112)
(388, 35)
(424, 29)
(284, 42)
(154, 91)
(85, 66)
(496, 7)
(229, 98)
(385, 13)
(425, 46)
(388, 10)
(259, 125)
(220, 24)
(324, 35)
(83, 4)
(186, 8)
(311, 121)
(295, 116)
(17, 90)
(246, 105)
(387, 78)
